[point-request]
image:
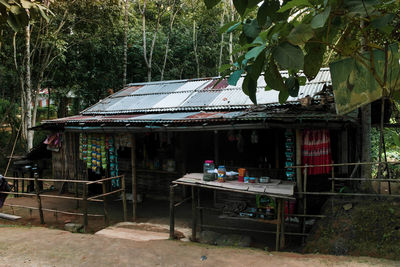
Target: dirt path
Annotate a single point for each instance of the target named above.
(36, 246)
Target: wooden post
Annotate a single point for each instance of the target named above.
(333, 178)
(134, 192)
(305, 201)
(282, 238)
(106, 216)
(37, 189)
(124, 198)
(200, 210)
(299, 142)
(85, 206)
(194, 215)
(278, 225)
(76, 195)
(171, 213)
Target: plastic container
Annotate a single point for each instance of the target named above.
(221, 174)
(208, 170)
(242, 173)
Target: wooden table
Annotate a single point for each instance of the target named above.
(280, 190)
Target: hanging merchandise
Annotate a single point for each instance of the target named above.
(113, 161)
(89, 152)
(317, 151)
(289, 154)
(254, 137)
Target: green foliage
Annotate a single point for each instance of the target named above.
(18, 13)
(297, 33)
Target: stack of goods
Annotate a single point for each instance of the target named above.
(317, 151)
(289, 153)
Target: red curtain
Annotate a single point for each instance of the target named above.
(317, 151)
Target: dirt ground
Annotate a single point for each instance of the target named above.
(37, 246)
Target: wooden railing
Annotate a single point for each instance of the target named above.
(83, 198)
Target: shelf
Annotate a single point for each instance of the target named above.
(249, 219)
(156, 171)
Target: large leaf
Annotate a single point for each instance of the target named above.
(300, 34)
(251, 28)
(314, 58)
(256, 68)
(362, 8)
(288, 56)
(13, 23)
(283, 96)
(27, 4)
(294, 3)
(273, 77)
(235, 76)
(228, 26)
(250, 88)
(267, 10)
(383, 23)
(240, 6)
(319, 20)
(224, 67)
(292, 85)
(211, 3)
(254, 52)
(253, 3)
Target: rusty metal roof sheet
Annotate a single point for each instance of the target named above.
(195, 95)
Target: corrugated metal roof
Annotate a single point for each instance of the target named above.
(194, 95)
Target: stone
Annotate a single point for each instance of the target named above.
(209, 237)
(234, 240)
(74, 227)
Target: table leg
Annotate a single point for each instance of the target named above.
(200, 210)
(282, 238)
(171, 212)
(278, 225)
(194, 215)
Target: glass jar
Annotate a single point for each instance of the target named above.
(208, 170)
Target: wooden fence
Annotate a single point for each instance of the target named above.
(83, 198)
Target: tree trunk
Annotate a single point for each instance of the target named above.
(196, 56)
(231, 34)
(221, 49)
(125, 44)
(28, 88)
(366, 144)
(171, 24)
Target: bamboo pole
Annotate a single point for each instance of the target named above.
(37, 190)
(134, 178)
(56, 211)
(345, 164)
(106, 216)
(12, 151)
(124, 206)
(106, 194)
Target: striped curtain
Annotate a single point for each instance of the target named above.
(317, 151)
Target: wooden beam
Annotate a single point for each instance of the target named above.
(134, 178)
(299, 142)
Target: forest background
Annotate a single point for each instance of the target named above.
(83, 50)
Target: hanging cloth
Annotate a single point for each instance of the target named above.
(317, 151)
